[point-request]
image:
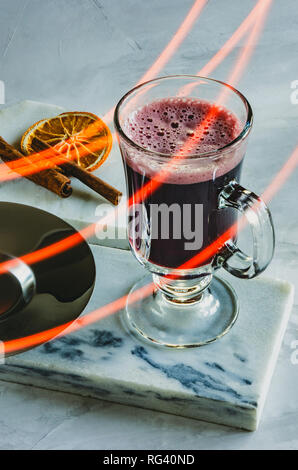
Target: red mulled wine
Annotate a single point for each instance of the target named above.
(188, 130)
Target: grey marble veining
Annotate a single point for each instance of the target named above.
(225, 382)
(84, 55)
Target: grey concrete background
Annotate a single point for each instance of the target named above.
(83, 55)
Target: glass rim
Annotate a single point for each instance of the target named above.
(215, 153)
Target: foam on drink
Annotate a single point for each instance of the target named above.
(170, 127)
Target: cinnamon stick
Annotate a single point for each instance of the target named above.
(51, 178)
(71, 168)
(98, 185)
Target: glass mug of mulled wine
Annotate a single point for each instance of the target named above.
(183, 140)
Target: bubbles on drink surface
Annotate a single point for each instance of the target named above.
(182, 125)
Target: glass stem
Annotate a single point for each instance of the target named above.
(182, 291)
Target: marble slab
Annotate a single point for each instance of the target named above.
(84, 206)
(225, 382)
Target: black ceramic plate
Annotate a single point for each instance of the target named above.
(57, 288)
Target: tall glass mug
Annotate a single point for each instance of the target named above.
(182, 140)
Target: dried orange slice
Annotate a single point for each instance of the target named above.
(79, 136)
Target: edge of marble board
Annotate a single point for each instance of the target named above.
(120, 243)
(201, 408)
(14, 136)
(110, 389)
(275, 353)
(40, 110)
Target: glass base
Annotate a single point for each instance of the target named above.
(165, 323)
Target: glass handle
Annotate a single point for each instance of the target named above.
(257, 215)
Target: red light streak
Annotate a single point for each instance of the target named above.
(227, 48)
(284, 173)
(143, 193)
(231, 42)
(259, 15)
(251, 43)
(45, 159)
(106, 310)
(113, 307)
(70, 327)
(170, 49)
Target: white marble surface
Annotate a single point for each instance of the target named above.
(85, 55)
(225, 382)
(84, 206)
